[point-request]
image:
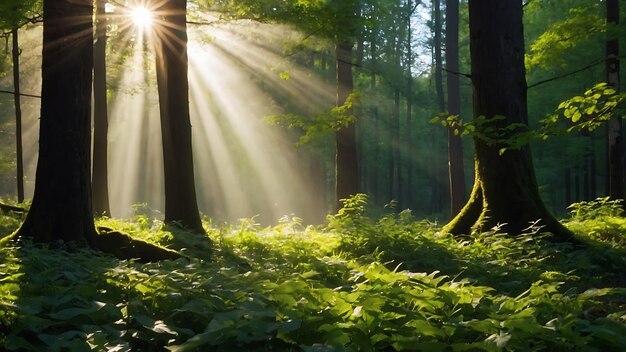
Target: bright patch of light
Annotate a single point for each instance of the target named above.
(142, 17)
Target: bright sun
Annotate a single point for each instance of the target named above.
(142, 17)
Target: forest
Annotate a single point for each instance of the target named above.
(312, 175)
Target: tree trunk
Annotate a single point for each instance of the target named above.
(396, 151)
(409, 112)
(61, 208)
(615, 129)
(439, 172)
(18, 116)
(505, 190)
(374, 112)
(347, 169)
(181, 207)
(456, 172)
(99, 177)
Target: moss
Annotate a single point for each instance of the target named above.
(123, 246)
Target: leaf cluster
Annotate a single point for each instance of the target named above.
(321, 125)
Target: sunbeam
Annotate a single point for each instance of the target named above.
(244, 167)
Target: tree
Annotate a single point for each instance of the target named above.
(181, 206)
(455, 144)
(505, 190)
(346, 159)
(13, 15)
(615, 128)
(18, 115)
(99, 176)
(61, 208)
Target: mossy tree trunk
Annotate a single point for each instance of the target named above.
(505, 188)
(181, 207)
(61, 208)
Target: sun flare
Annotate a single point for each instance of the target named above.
(141, 16)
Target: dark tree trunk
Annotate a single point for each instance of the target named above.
(396, 151)
(615, 129)
(181, 207)
(374, 112)
(439, 172)
(61, 208)
(567, 178)
(409, 105)
(441, 104)
(347, 169)
(99, 176)
(455, 145)
(505, 190)
(18, 116)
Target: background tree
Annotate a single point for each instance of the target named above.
(181, 206)
(455, 144)
(61, 208)
(615, 127)
(505, 190)
(13, 15)
(99, 175)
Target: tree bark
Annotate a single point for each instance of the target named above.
(438, 165)
(18, 116)
(409, 109)
(99, 177)
(456, 172)
(505, 190)
(181, 207)
(346, 167)
(61, 208)
(615, 127)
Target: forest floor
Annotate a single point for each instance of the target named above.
(355, 283)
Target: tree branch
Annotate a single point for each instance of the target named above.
(22, 94)
(567, 74)
(467, 75)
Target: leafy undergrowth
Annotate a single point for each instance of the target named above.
(355, 283)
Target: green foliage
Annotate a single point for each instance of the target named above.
(602, 218)
(489, 130)
(320, 125)
(16, 13)
(554, 46)
(590, 110)
(357, 284)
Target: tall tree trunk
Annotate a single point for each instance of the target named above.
(567, 178)
(396, 150)
(99, 176)
(615, 129)
(439, 187)
(181, 207)
(346, 163)
(61, 208)
(455, 144)
(409, 113)
(374, 112)
(505, 190)
(18, 116)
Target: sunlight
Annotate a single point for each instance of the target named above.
(141, 16)
(244, 167)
